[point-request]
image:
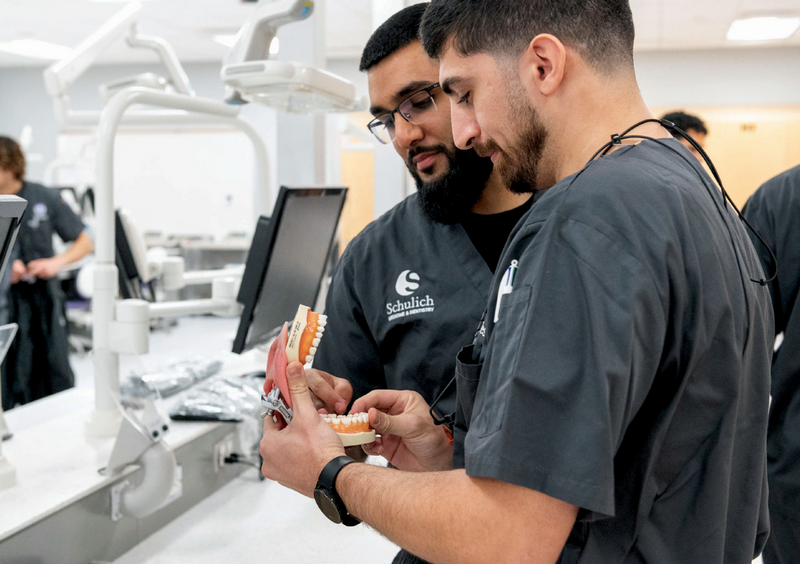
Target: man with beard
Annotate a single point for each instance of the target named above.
(410, 289)
(613, 406)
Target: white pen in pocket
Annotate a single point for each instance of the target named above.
(506, 286)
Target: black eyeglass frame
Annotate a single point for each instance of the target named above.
(377, 122)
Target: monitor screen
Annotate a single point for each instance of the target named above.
(287, 261)
(11, 210)
(131, 258)
(126, 265)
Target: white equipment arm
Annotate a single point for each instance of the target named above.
(180, 81)
(62, 74)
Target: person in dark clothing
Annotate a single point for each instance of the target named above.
(774, 212)
(37, 364)
(612, 406)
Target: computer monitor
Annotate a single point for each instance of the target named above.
(287, 261)
(11, 210)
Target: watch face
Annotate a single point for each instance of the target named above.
(326, 505)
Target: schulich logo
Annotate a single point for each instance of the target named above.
(406, 285)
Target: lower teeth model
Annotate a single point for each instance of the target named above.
(352, 429)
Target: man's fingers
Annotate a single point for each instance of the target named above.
(382, 400)
(322, 388)
(298, 388)
(375, 448)
(386, 424)
(345, 391)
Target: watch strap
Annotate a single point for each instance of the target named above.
(327, 480)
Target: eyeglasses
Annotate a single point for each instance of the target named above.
(416, 109)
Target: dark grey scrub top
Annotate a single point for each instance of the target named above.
(774, 212)
(628, 371)
(46, 214)
(406, 295)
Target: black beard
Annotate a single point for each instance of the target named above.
(520, 170)
(450, 198)
(520, 167)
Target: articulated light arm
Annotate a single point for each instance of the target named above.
(255, 37)
(289, 86)
(62, 74)
(179, 79)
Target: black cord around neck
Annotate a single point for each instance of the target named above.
(617, 139)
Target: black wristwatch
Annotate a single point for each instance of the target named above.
(327, 497)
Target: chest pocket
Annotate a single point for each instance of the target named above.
(467, 379)
(501, 364)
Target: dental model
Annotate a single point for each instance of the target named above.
(352, 429)
(300, 341)
(295, 341)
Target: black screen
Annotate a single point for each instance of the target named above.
(11, 210)
(129, 278)
(287, 261)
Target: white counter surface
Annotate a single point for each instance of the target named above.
(246, 521)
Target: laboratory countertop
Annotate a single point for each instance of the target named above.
(231, 244)
(247, 520)
(57, 463)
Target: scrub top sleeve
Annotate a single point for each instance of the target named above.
(348, 349)
(570, 361)
(761, 216)
(66, 223)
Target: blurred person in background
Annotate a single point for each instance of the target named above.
(37, 364)
(692, 125)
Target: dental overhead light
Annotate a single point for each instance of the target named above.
(290, 86)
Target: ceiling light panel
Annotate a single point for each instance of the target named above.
(763, 28)
(36, 49)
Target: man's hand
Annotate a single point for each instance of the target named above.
(409, 439)
(295, 455)
(46, 268)
(18, 270)
(329, 392)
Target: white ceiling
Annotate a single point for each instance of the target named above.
(189, 24)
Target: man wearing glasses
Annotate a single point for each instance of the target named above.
(409, 291)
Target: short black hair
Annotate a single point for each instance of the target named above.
(393, 34)
(687, 121)
(600, 30)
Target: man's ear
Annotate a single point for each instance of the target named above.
(542, 65)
